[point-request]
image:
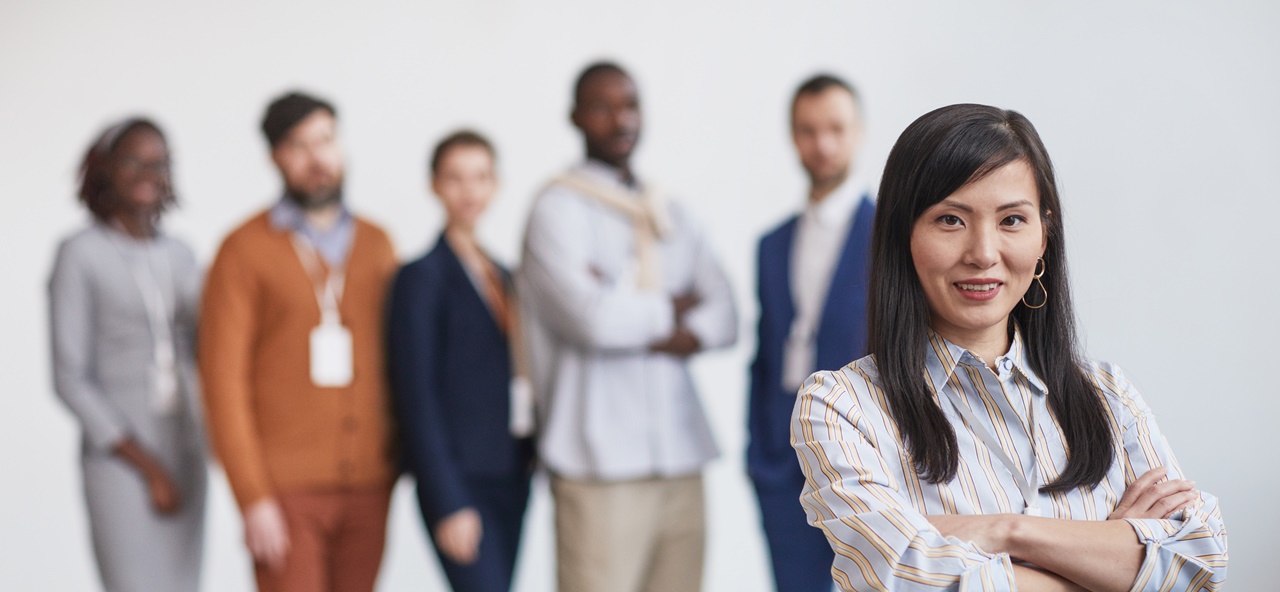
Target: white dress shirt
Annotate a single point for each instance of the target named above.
(608, 408)
(820, 236)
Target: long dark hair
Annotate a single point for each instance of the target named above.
(98, 165)
(938, 154)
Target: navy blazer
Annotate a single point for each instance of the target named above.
(842, 337)
(450, 370)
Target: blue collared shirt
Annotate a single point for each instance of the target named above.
(333, 244)
(863, 492)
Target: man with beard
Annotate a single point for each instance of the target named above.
(291, 354)
(620, 289)
(812, 290)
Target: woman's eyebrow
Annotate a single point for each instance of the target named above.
(1015, 204)
(951, 203)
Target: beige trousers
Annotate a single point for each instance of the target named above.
(645, 535)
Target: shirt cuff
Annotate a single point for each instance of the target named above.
(702, 328)
(663, 316)
(1163, 564)
(991, 575)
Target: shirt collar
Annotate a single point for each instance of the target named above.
(837, 208)
(942, 357)
(287, 215)
(609, 174)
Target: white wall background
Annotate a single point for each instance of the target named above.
(1161, 117)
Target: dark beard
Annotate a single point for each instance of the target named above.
(314, 201)
(830, 183)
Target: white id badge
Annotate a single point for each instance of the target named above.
(164, 380)
(331, 355)
(521, 407)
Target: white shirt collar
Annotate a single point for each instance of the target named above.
(836, 209)
(604, 172)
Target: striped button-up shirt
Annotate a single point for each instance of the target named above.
(862, 491)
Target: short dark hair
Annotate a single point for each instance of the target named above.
(938, 154)
(591, 71)
(287, 110)
(819, 83)
(458, 139)
(96, 191)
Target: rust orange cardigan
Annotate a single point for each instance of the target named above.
(271, 428)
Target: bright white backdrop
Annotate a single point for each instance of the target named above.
(1161, 117)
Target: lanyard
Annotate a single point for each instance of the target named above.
(158, 316)
(328, 294)
(1030, 489)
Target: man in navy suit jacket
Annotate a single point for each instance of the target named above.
(812, 282)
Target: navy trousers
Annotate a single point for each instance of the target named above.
(800, 554)
(501, 504)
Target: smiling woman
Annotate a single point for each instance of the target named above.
(122, 303)
(924, 461)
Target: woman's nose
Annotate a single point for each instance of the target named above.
(983, 249)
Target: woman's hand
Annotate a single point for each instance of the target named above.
(458, 535)
(165, 497)
(1146, 498)
(266, 533)
(990, 532)
(164, 494)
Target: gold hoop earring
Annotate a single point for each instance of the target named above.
(1041, 267)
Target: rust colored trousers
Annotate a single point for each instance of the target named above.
(336, 540)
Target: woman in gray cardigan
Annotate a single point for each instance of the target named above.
(123, 301)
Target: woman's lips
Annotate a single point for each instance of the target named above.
(978, 289)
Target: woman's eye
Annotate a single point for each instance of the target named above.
(1014, 221)
(949, 220)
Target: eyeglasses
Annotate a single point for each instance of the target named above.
(134, 165)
